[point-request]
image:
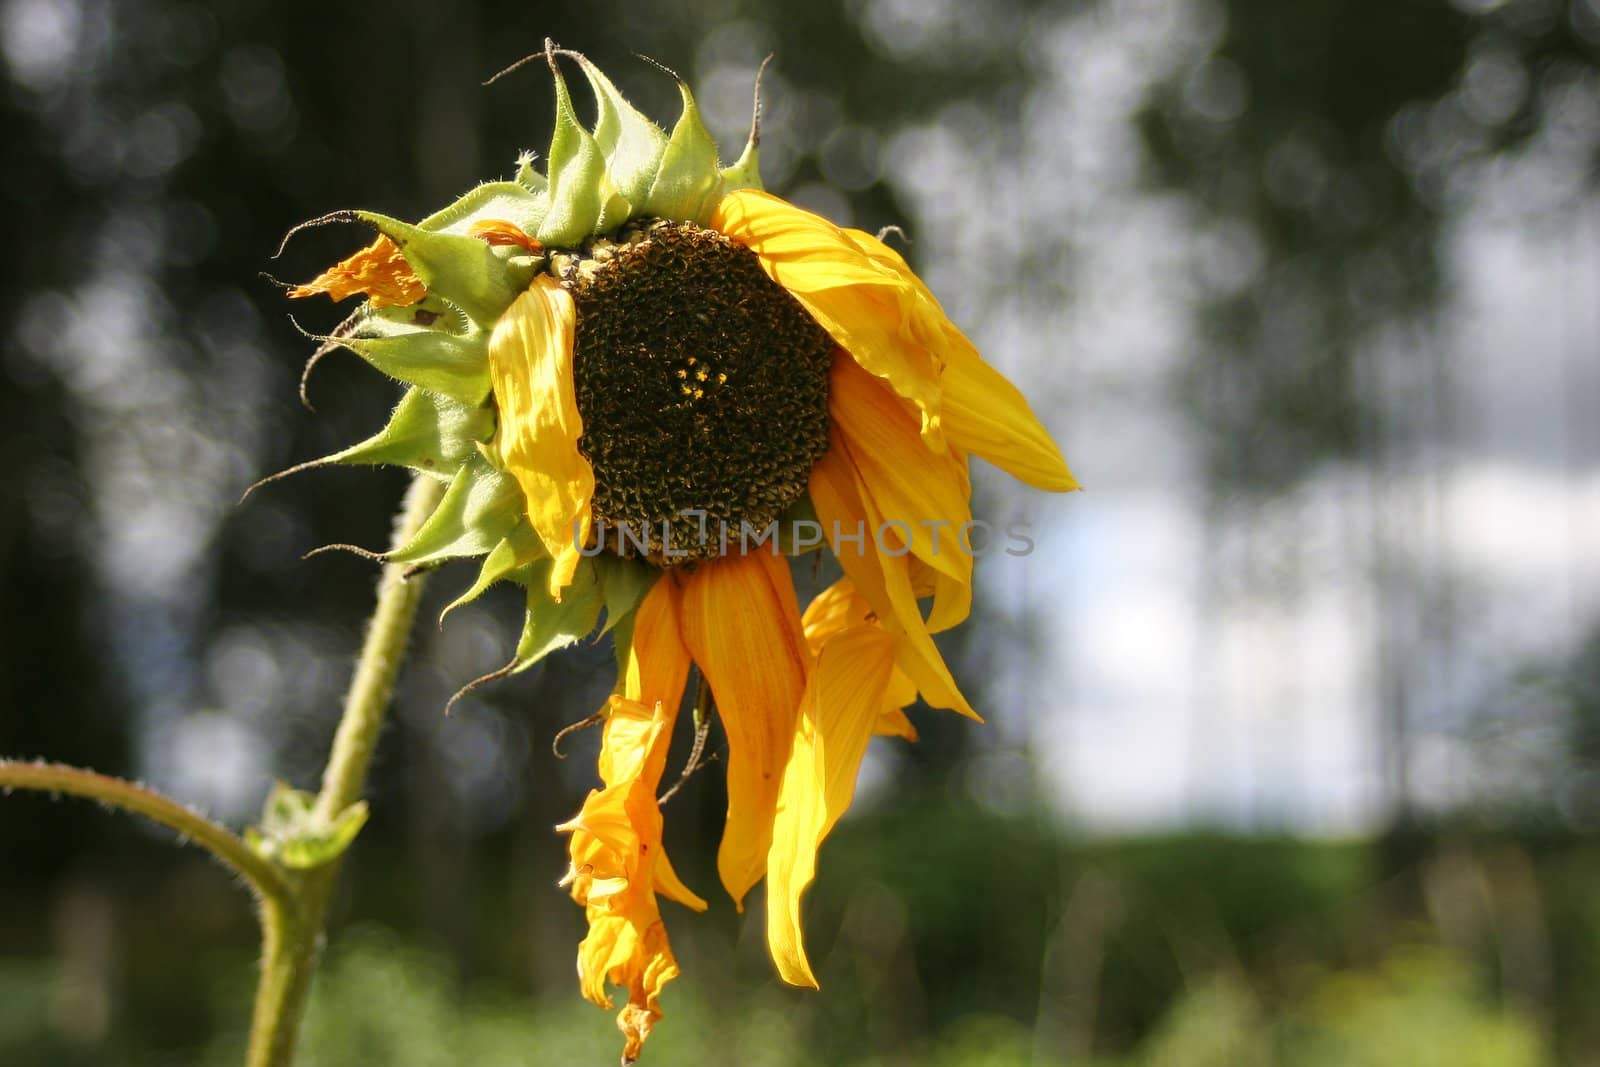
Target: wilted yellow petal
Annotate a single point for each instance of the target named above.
(925, 495)
(836, 609)
(983, 413)
(530, 363)
(838, 716)
(742, 624)
(378, 272)
(884, 580)
(501, 232)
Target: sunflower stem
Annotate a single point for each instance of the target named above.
(292, 932)
(269, 881)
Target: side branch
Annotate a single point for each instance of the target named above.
(264, 876)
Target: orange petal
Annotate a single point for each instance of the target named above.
(530, 363)
(838, 714)
(502, 232)
(868, 308)
(742, 624)
(378, 271)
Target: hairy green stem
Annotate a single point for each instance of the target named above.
(292, 936)
(269, 881)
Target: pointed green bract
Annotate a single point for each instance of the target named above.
(530, 179)
(632, 144)
(428, 433)
(478, 510)
(744, 172)
(623, 584)
(520, 547)
(550, 626)
(452, 365)
(513, 202)
(685, 187)
(583, 198)
(472, 274)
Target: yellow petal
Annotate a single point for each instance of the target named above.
(884, 580)
(741, 623)
(836, 609)
(986, 415)
(982, 412)
(617, 863)
(838, 715)
(379, 272)
(530, 362)
(832, 611)
(630, 951)
(656, 665)
(952, 597)
(925, 495)
(892, 721)
(655, 669)
(867, 308)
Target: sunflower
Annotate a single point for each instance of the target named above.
(648, 384)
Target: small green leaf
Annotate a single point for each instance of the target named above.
(293, 834)
(745, 172)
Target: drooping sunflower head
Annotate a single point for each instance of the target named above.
(647, 383)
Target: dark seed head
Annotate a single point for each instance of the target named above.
(702, 383)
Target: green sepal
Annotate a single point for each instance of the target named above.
(583, 200)
(474, 275)
(686, 185)
(515, 551)
(623, 584)
(744, 172)
(428, 433)
(551, 625)
(450, 364)
(622, 643)
(531, 180)
(512, 201)
(631, 143)
(294, 834)
(478, 509)
(802, 510)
